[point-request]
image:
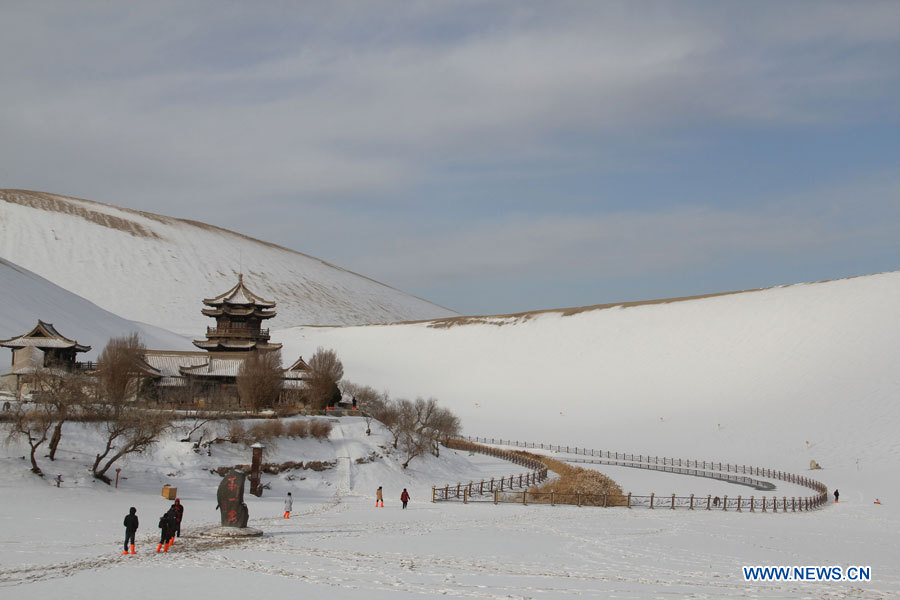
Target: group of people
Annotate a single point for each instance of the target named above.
(169, 525)
(379, 497)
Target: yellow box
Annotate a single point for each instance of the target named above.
(169, 493)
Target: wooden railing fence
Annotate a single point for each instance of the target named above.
(503, 490)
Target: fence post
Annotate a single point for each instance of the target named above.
(739, 504)
(465, 496)
(774, 503)
(751, 504)
(432, 494)
(708, 501)
(673, 501)
(651, 500)
(784, 503)
(793, 506)
(725, 503)
(524, 497)
(578, 495)
(551, 498)
(692, 502)
(629, 500)
(496, 498)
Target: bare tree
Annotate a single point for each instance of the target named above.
(326, 370)
(260, 379)
(65, 393)
(33, 425)
(444, 424)
(369, 402)
(421, 426)
(129, 427)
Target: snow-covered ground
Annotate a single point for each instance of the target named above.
(773, 378)
(158, 269)
(66, 542)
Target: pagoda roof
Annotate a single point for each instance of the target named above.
(43, 335)
(226, 345)
(238, 311)
(239, 294)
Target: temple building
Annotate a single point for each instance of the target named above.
(41, 348)
(209, 377)
(239, 314)
(206, 377)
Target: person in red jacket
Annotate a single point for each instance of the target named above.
(404, 497)
(179, 515)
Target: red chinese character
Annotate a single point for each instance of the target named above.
(232, 516)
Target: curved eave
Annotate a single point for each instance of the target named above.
(232, 346)
(238, 311)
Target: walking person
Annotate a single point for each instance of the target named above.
(379, 498)
(288, 506)
(836, 495)
(131, 527)
(179, 514)
(167, 530)
(404, 497)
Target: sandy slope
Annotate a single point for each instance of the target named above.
(158, 269)
(26, 297)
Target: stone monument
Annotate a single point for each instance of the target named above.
(233, 511)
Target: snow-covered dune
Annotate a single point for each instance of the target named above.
(158, 269)
(26, 297)
(774, 377)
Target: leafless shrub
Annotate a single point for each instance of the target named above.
(319, 429)
(298, 428)
(237, 433)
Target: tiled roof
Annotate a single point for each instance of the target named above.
(239, 294)
(43, 335)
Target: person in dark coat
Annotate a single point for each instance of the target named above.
(178, 507)
(167, 530)
(131, 527)
(404, 497)
(836, 494)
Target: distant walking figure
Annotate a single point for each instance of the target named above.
(836, 495)
(288, 506)
(716, 501)
(131, 526)
(179, 515)
(379, 498)
(404, 497)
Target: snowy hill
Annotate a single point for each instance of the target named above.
(26, 297)
(158, 269)
(777, 376)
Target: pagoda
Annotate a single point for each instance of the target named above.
(239, 314)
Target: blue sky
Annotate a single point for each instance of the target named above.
(489, 156)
